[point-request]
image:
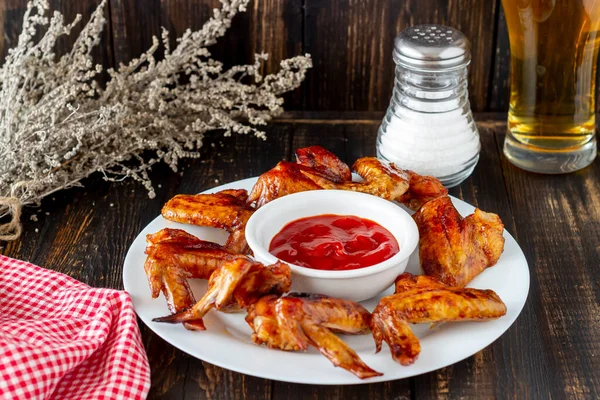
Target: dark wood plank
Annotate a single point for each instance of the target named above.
(500, 78)
(276, 29)
(331, 117)
(11, 15)
(399, 389)
(11, 19)
(352, 41)
(273, 27)
(476, 19)
(134, 22)
(557, 219)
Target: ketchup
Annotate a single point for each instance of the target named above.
(334, 242)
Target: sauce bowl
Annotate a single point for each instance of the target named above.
(357, 284)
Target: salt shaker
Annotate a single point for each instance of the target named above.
(429, 127)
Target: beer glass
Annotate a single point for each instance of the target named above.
(554, 49)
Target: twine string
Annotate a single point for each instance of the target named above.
(10, 230)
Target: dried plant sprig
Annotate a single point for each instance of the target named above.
(58, 126)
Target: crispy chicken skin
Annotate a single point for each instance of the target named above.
(324, 162)
(317, 168)
(295, 321)
(225, 210)
(168, 235)
(285, 178)
(408, 281)
(177, 249)
(174, 256)
(235, 284)
(423, 299)
(421, 189)
(379, 179)
(339, 315)
(455, 250)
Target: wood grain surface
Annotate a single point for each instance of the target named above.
(552, 350)
(351, 41)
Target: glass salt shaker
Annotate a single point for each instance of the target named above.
(429, 127)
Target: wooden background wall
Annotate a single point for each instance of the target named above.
(350, 40)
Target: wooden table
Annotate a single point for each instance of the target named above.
(552, 350)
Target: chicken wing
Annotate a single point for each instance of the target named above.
(421, 189)
(295, 321)
(225, 210)
(408, 281)
(174, 256)
(379, 179)
(455, 250)
(169, 235)
(324, 162)
(423, 299)
(236, 284)
(317, 168)
(327, 172)
(285, 178)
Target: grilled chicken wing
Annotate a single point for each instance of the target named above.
(197, 258)
(408, 281)
(455, 250)
(225, 210)
(424, 299)
(174, 256)
(235, 284)
(324, 162)
(169, 235)
(316, 168)
(378, 179)
(295, 321)
(285, 178)
(421, 189)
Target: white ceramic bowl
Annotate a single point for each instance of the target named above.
(358, 284)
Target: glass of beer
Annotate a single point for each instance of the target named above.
(554, 49)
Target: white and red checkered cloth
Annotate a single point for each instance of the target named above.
(62, 339)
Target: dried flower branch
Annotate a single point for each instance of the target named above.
(58, 126)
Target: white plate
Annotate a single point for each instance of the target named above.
(227, 343)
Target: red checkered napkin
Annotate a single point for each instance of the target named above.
(62, 339)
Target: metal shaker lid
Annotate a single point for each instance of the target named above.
(432, 47)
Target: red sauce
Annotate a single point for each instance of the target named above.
(334, 242)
